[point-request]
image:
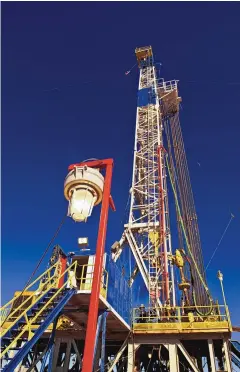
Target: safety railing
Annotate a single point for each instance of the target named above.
(24, 314)
(84, 277)
(168, 86)
(21, 299)
(181, 317)
(4, 315)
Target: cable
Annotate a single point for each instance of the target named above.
(129, 71)
(40, 261)
(181, 221)
(231, 218)
(189, 249)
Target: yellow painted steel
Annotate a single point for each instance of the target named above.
(4, 314)
(184, 327)
(178, 319)
(86, 278)
(52, 281)
(60, 325)
(179, 262)
(155, 240)
(7, 307)
(29, 322)
(142, 53)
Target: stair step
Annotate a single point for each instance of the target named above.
(40, 304)
(10, 339)
(15, 330)
(38, 322)
(44, 313)
(22, 322)
(39, 318)
(6, 338)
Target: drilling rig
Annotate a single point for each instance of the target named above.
(77, 315)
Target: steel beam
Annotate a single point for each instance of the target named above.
(119, 354)
(131, 356)
(212, 355)
(228, 366)
(104, 323)
(172, 348)
(96, 284)
(187, 356)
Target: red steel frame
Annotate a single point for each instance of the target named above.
(101, 239)
(162, 223)
(63, 262)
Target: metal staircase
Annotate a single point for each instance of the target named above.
(235, 351)
(27, 322)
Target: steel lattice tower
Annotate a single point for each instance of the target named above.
(148, 232)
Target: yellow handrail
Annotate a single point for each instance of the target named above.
(178, 313)
(33, 294)
(29, 323)
(88, 277)
(4, 314)
(29, 286)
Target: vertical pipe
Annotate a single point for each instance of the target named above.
(172, 348)
(162, 224)
(94, 300)
(97, 338)
(131, 356)
(102, 365)
(211, 355)
(67, 356)
(227, 360)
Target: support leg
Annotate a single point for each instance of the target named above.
(212, 355)
(172, 348)
(97, 334)
(102, 366)
(77, 352)
(130, 365)
(53, 366)
(97, 344)
(97, 356)
(67, 357)
(226, 356)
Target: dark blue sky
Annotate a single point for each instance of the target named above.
(65, 98)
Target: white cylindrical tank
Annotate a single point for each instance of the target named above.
(83, 187)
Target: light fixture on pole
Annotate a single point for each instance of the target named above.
(220, 277)
(83, 188)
